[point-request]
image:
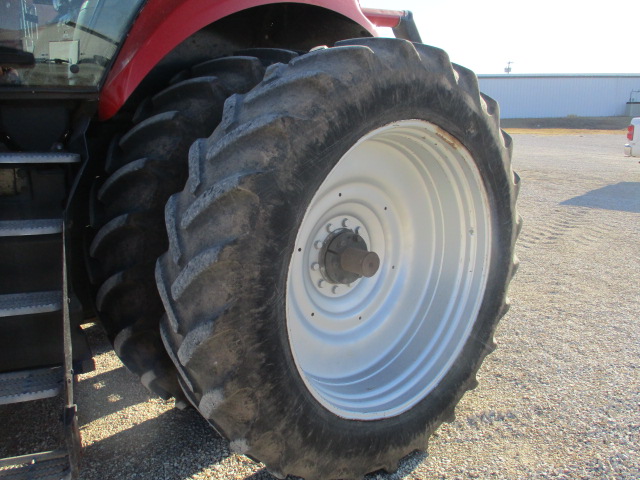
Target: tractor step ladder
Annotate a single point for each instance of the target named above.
(52, 465)
(16, 304)
(28, 385)
(23, 228)
(40, 383)
(26, 158)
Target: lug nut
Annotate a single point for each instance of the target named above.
(329, 228)
(345, 223)
(318, 244)
(315, 266)
(321, 283)
(335, 289)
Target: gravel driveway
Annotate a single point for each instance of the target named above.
(558, 399)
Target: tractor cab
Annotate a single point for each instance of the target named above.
(61, 43)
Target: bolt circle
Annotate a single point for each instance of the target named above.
(316, 243)
(345, 258)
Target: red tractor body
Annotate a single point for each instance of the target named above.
(163, 24)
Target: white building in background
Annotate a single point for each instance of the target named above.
(545, 95)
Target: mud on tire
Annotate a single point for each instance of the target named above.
(321, 378)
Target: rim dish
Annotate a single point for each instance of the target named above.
(376, 347)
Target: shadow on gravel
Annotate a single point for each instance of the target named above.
(623, 197)
(107, 393)
(30, 427)
(406, 466)
(96, 336)
(263, 474)
(134, 453)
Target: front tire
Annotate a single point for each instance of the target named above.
(314, 372)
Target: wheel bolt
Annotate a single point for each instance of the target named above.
(315, 266)
(335, 289)
(346, 223)
(318, 244)
(321, 283)
(329, 227)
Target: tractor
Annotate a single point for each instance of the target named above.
(281, 218)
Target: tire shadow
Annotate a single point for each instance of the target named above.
(104, 394)
(110, 387)
(623, 197)
(172, 446)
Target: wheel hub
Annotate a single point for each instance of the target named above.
(345, 258)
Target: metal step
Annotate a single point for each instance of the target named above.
(19, 228)
(15, 304)
(27, 385)
(52, 465)
(21, 158)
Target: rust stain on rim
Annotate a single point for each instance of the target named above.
(447, 137)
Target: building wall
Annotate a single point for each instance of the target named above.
(540, 96)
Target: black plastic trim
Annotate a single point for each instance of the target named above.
(407, 28)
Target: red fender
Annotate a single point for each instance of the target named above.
(163, 24)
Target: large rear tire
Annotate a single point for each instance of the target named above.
(379, 143)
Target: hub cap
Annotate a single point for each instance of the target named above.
(372, 340)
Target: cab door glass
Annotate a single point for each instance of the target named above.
(72, 41)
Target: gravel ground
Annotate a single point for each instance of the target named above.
(559, 398)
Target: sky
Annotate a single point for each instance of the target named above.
(542, 36)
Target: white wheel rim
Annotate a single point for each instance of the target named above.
(374, 349)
